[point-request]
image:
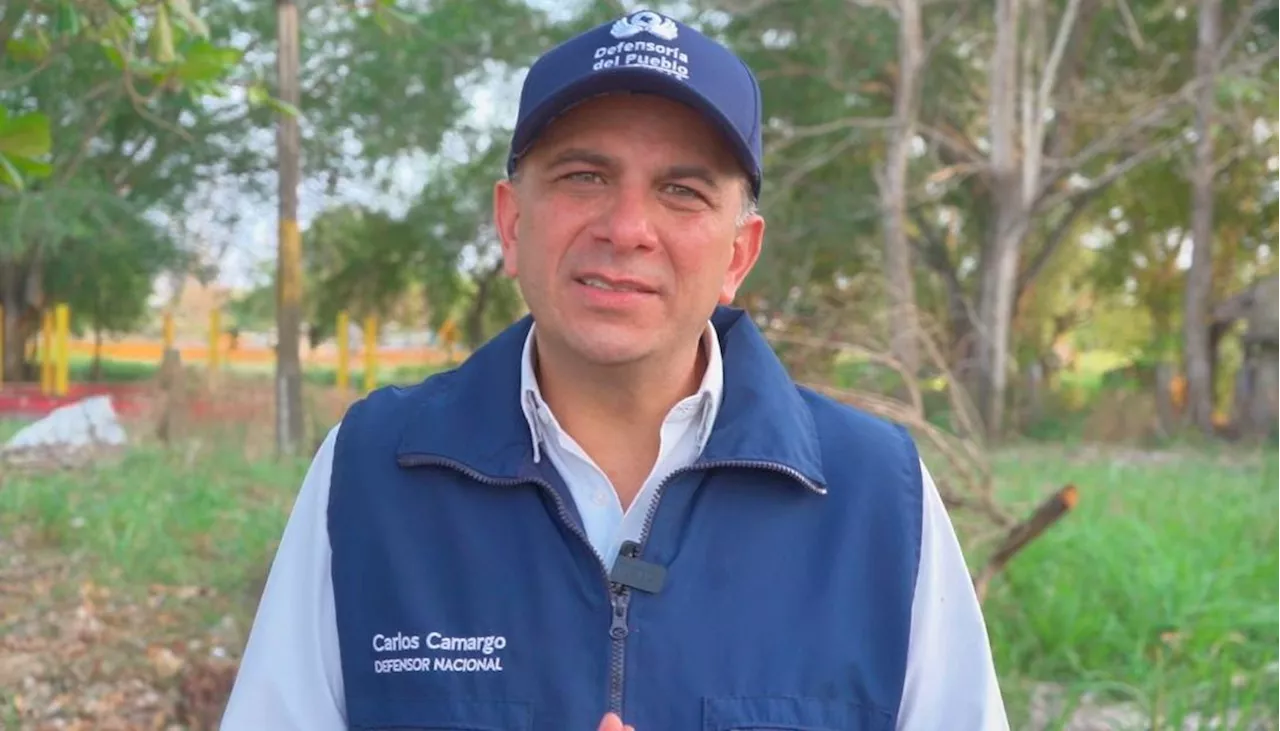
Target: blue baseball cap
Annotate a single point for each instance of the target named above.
(645, 52)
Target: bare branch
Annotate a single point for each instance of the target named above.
(812, 163)
(140, 103)
(948, 26)
(1113, 172)
(1153, 115)
(1242, 24)
(934, 253)
(1056, 237)
(1050, 511)
(955, 142)
(1049, 77)
(795, 134)
(1131, 24)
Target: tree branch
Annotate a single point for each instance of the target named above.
(1111, 174)
(955, 142)
(1242, 24)
(1056, 237)
(813, 163)
(795, 134)
(949, 25)
(1131, 25)
(1148, 117)
(1046, 514)
(86, 138)
(1050, 76)
(931, 249)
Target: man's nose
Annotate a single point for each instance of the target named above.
(628, 220)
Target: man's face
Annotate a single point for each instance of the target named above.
(625, 228)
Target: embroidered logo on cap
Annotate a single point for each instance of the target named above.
(629, 51)
(645, 21)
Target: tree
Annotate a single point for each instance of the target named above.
(105, 273)
(1200, 274)
(899, 277)
(111, 95)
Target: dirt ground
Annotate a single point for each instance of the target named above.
(75, 656)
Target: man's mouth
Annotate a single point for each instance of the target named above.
(611, 285)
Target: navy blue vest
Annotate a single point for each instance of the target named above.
(772, 589)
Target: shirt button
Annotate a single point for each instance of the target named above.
(599, 497)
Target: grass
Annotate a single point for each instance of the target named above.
(122, 371)
(1160, 589)
(196, 514)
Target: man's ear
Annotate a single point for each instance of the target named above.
(746, 251)
(506, 219)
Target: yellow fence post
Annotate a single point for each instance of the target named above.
(215, 336)
(168, 333)
(46, 352)
(61, 350)
(448, 334)
(344, 350)
(370, 353)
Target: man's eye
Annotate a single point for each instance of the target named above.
(584, 176)
(683, 191)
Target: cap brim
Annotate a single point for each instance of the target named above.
(636, 80)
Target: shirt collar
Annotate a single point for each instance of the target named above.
(706, 399)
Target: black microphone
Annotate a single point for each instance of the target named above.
(629, 570)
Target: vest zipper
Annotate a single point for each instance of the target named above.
(731, 463)
(618, 631)
(619, 596)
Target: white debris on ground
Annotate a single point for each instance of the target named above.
(90, 423)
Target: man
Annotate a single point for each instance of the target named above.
(620, 509)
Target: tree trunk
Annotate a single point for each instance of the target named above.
(1166, 412)
(995, 312)
(289, 423)
(15, 344)
(893, 191)
(1009, 225)
(1196, 356)
(474, 328)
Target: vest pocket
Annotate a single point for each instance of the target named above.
(784, 713)
(383, 714)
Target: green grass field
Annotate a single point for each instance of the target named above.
(1160, 590)
(115, 371)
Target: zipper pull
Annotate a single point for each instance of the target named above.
(618, 628)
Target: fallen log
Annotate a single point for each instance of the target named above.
(1049, 512)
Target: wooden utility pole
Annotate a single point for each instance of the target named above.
(289, 253)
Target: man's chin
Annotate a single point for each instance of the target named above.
(612, 344)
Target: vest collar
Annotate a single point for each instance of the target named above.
(472, 416)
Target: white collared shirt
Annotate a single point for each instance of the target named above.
(684, 433)
(290, 676)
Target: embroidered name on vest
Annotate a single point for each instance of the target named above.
(487, 647)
